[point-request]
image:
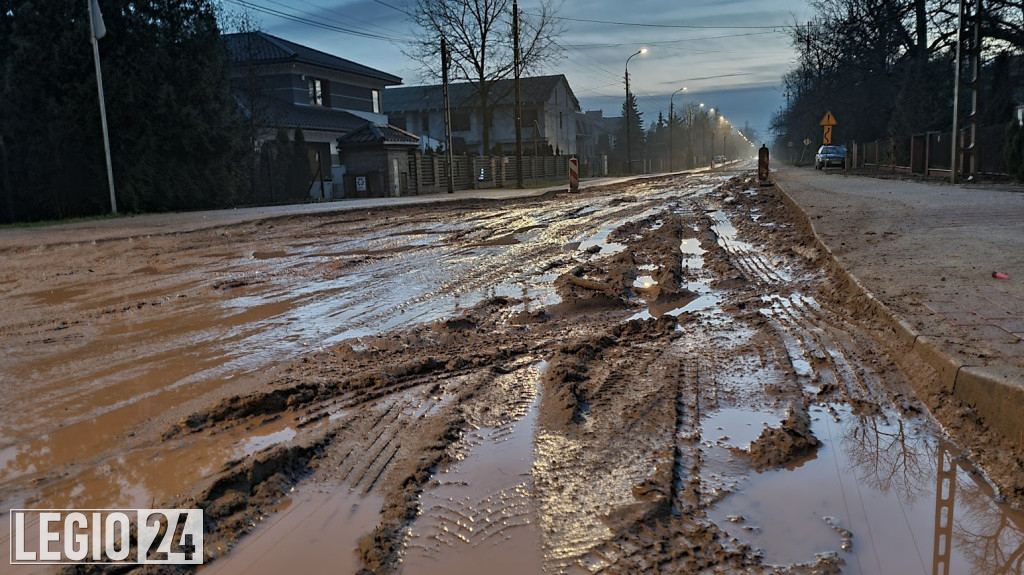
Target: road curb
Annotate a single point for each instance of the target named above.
(996, 393)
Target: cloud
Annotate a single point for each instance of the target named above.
(717, 48)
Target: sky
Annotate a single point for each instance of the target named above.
(729, 54)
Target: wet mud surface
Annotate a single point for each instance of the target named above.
(665, 376)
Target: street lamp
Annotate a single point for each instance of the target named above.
(726, 128)
(672, 126)
(693, 164)
(701, 136)
(629, 140)
(703, 127)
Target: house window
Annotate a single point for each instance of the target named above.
(528, 117)
(375, 94)
(315, 91)
(460, 122)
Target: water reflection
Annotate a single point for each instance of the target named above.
(910, 501)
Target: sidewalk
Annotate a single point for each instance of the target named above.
(157, 224)
(926, 252)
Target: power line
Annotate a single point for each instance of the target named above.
(343, 15)
(665, 42)
(393, 7)
(315, 23)
(683, 26)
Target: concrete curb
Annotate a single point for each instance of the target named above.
(996, 393)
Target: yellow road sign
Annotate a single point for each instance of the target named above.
(826, 138)
(828, 120)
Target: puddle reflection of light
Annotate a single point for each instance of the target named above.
(644, 282)
(251, 445)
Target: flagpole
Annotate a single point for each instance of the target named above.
(95, 33)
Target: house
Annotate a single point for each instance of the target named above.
(281, 84)
(595, 141)
(548, 115)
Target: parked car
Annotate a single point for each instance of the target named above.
(719, 159)
(830, 156)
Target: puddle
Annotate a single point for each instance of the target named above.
(316, 531)
(737, 427)
(256, 443)
(480, 511)
(707, 300)
(881, 495)
(601, 243)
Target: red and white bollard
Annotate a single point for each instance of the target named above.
(574, 174)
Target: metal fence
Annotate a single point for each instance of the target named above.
(931, 154)
(428, 172)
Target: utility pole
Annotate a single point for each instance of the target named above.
(629, 138)
(519, 95)
(445, 62)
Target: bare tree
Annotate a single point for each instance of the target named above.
(479, 34)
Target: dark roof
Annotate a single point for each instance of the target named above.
(534, 90)
(285, 115)
(373, 134)
(262, 48)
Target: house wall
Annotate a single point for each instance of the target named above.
(290, 83)
(556, 125)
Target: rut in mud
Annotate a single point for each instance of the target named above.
(657, 378)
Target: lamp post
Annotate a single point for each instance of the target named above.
(726, 128)
(712, 121)
(629, 140)
(672, 127)
(702, 124)
(693, 164)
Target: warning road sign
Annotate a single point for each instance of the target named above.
(827, 122)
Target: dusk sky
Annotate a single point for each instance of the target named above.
(729, 54)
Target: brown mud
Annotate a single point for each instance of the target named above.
(568, 385)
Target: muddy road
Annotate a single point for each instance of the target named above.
(664, 376)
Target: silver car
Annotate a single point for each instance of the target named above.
(830, 156)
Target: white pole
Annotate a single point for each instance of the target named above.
(94, 33)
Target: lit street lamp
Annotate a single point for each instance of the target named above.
(701, 136)
(672, 127)
(713, 121)
(629, 140)
(693, 156)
